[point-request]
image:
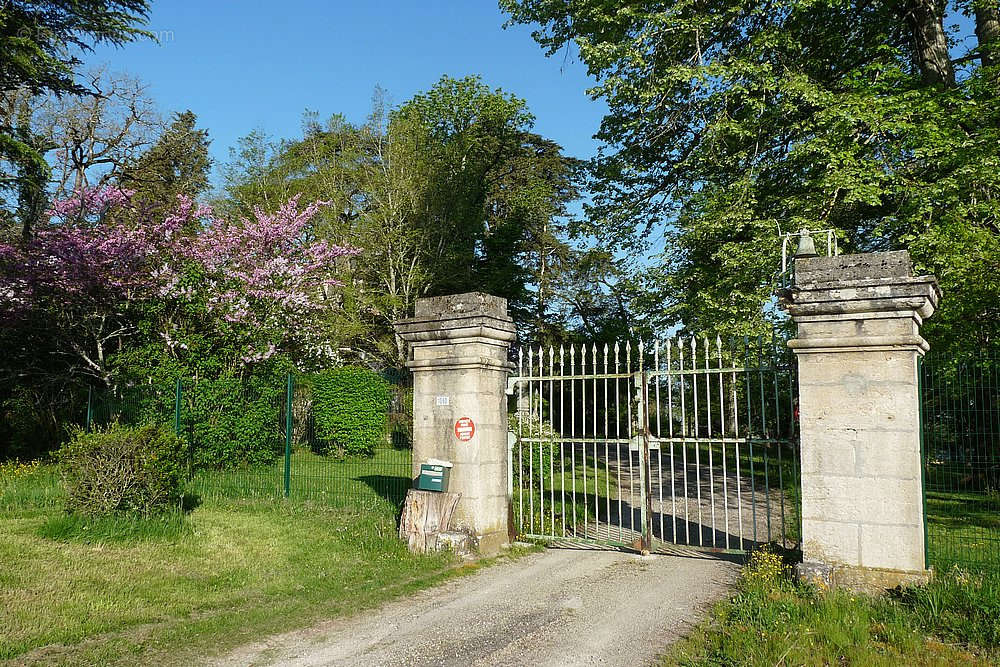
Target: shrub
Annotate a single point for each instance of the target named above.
(350, 407)
(234, 422)
(124, 470)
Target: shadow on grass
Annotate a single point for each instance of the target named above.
(169, 526)
(391, 488)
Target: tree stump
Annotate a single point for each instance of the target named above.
(426, 514)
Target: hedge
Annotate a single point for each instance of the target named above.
(350, 407)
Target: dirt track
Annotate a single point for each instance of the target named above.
(559, 607)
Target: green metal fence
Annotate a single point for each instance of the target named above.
(260, 439)
(960, 414)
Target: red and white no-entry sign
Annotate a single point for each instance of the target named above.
(465, 428)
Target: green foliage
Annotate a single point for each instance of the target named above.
(730, 122)
(233, 421)
(350, 408)
(40, 43)
(124, 471)
(33, 421)
(231, 416)
(450, 192)
(960, 606)
(401, 431)
(177, 164)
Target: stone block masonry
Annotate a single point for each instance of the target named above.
(459, 358)
(858, 345)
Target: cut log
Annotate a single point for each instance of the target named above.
(426, 514)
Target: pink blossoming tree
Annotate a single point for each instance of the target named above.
(108, 273)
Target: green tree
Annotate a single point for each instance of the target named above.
(449, 192)
(177, 164)
(494, 205)
(464, 132)
(731, 122)
(36, 55)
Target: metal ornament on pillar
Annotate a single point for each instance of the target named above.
(807, 246)
(458, 355)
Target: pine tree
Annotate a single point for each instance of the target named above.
(177, 164)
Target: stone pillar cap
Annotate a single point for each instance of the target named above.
(469, 316)
(844, 268)
(469, 303)
(868, 283)
(875, 288)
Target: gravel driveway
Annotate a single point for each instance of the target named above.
(557, 607)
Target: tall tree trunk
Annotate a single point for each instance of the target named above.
(930, 44)
(988, 32)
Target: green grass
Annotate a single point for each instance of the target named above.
(546, 503)
(772, 620)
(104, 530)
(116, 592)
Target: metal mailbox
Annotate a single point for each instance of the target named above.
(434, 475)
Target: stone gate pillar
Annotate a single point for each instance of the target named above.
(858, 345)
(458, 356)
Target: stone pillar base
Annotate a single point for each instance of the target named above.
(491, 544)
(870, 580)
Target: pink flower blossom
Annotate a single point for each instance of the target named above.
(259, 279)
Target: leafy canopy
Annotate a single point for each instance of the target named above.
(38, 46)
(449, 192)
(730, 122)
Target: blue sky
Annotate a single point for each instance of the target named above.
(242, 65)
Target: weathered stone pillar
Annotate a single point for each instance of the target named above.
(858, 345)
(458, 355)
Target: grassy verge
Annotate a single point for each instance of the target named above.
(772, 620)
(115, 592)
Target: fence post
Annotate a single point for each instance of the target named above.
(923, 460)
(288, 434)
(90, 406)
(177, 408)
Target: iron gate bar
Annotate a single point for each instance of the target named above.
(618, 445)
(687, 519)
(753, 498)
(722, 429)
(552, 426)
(708, 425)
(644, 469)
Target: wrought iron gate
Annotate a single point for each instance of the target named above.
(685, 443)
